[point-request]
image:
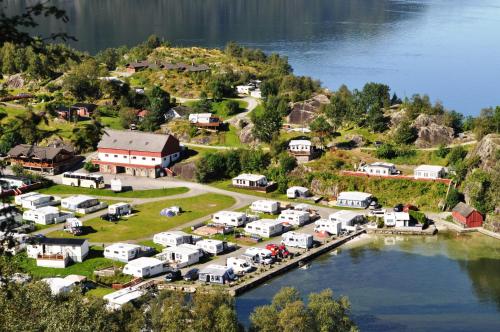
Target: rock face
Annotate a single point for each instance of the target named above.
(246, 135)
(320, 188)
(185, 170)
(304, 112)
(15, 81)
(487, 150)
(431, 132)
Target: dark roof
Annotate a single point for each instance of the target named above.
(40, 152)
(58, 241)
(135, 140)
(139, 64)
(463, 209)
(88, 106)
(198, 68)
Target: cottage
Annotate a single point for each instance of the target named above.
(298, 240)
(123, 252)
(349, 219)
(135, 67)
(145, 267)
(46, 215)
(250, 181)
(333, 227)
(182, 255)
(205, 120)
(294, 217)
(38, 201)
(380, 168)
(172, 238)
(51, 160)
(117, 299)
(467, 216)
(83, 110)
(264, 227)
(230, 218)
(301, 149)
(429, 172)
(297, 192)
(120, 209)
(82, 204)
(57, 252)
(136, 153)
(265, 206)
(216, 274)
(354, 199)
(397, 219)
(210, 246)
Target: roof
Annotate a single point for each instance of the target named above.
(300, 142)
(380, 164)
(138, 64)
(77, 199)
(143, 262)
(399, 215)
(265, 222)
(354, 195)
(229, 214)
(297, 188)
(46, 210)
(429, 168)
(59, 241)
(344, 215)
(294, 212)
(123, 295)
(182, 110)
(118, 204)
(183, 249)
(249, 177)
(134, 140)
(40, 152)
(35, 197)
(126, 246)
(173, 234)
(296, 234)
(463, 209)
(265, 201)
(214, 269)
(212, 241)
(88, 106)
(56, 284)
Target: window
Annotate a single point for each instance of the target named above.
(143, 158)
(106, 155)
(125, 157)
(134, 157)
(116, 156)
(153, 159)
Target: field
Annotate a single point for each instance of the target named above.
(69, 190)
(146, 219)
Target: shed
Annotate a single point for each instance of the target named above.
(467, 215)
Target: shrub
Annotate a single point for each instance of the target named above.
(90, 167)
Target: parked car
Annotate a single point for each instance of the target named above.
(374, 205)
(278, 251)
(398, 208)
(110, 217)
(173, 275)
(191, 275)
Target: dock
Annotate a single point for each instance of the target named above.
(431, 230)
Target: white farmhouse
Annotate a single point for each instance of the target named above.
(264, 227)
(145, 267)
(354, 199)
(396, 219)
(123, 252)
(429, 172)
(172, 238)
(57, 252)
(294, 217)
(380, 168)
(46, 215)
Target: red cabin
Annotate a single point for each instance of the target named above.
(467, 216)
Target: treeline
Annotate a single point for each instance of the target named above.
(32, 307)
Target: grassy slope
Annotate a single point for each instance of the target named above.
(147, 221)
(69, 190)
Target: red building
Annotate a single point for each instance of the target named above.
(467, 216)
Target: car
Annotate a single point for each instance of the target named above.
(110, 217)
(398, 208)
(173, 275)
(374, 205)
(191, 275)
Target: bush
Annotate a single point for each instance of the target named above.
(419, 217)
(230, 107)
(90, 167)
(442, 151)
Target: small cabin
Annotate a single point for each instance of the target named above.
(301, 149)
(253, 182)
(205, 120)
(380, 168)
(467, 216)
(349, 219)
(397, 219)
(46, 215)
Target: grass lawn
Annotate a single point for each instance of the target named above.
(147, 221)
(99, 292)
(60, 189)
(93, 262)
(226, 185)
(230, 138)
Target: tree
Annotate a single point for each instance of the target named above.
(83, 81)
(86, 136)
(159, 101)
(230, 107)
(127, 116)
(477, 187)
(454, 197)
(488, 122)
(456, 154)
(405, 133)
(267, 124)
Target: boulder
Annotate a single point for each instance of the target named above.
(433, 135)
(357, 140)
(15, 82)
(246, 135)
(487, 149)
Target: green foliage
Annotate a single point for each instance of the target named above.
(159, 101)
(454, 197)
(221, 86)
(481, 193)
(85, 137)
(321, 128)
(90, 167)
(230, 107)
(488, 122)
(83, 80)
(456, 154)
(442, 151)
(389, 151)
(405, 133)
(127, 116)
(419, 217)
(421, 105)
(267, 123)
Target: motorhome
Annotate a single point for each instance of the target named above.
(239, 265)
(265, 206)
(326, 225)
(264, 227)
(230, 218)
(120, 209)
(294, 217)
(210, 246)
(172, 238)
(298, 240)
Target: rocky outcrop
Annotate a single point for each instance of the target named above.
(320, 188)
(304, 112)
(245, 135)
(15, 82)
(431, 132)
(487, 149)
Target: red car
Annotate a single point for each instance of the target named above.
(278, 251)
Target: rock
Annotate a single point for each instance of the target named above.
(424, 120)
(320, 188)
(304, 112)
(185, 170)
(246, 135)
(356, 140)
(397, 117)
(15, 82)
(487, 149)
(433, 135)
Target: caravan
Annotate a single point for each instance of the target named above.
(259, 255)
(120, 209)
(230, 218)
(298, 240)
(123, 252)
(213, 247)
(265, 206)
(297, 192)
(294, 217)
(181, 256)
(264, 227)
(216, 274)
(38, 200)
(333, 227)
(239, 265)
(145, 267)
(46, 215)
(172, 238)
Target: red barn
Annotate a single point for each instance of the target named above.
(467, 216)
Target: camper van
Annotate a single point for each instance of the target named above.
(259, 255)
(294, 217)
(265, 206)
(230, 218)
(298, 240)
(120, 209)
(239, 265)
(213, 247)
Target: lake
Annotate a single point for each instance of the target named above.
(447, 49)
(443, 283)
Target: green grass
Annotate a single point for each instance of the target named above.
(99, 292)
(60, 189)
(218, 107)
(230, 138)
(418, 158)
(150, 243)
(147, 220)
(93, 262)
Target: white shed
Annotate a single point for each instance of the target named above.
(294, 217)
(182, 255)
(123, 252)
(230, 218)
(264, 227)
(296, 192)
(396, 219)
(298, 240)
(210, 246)
(265, 206)
(172, 238)
(145, 267)
(333, 227)
(429, 172)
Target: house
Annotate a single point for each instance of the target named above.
(349, 219)
(134, 67)
(301, 149)
(83, 110)
(57, 252)
(38, 201)
(397, 219)
(136, 153)
(123, 252)
(116, 299)
(120, 209)
(230, 218)
(145, 267)
(82, 204)
(333, 227)
(429, 172)
(297, 192)
(253, 182)
(354, 199)
(51, 160)
(64, 113)
(210, 246)
(216, 274)
(13, 182)
(294, 217)
(178, 112)
(172, 238)
(380, 168)
(265, 206)
(63, 285)
(205, 120)
(467, 216)
(297, 240)
(264, 227)
(182, 255)
(46, 215)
